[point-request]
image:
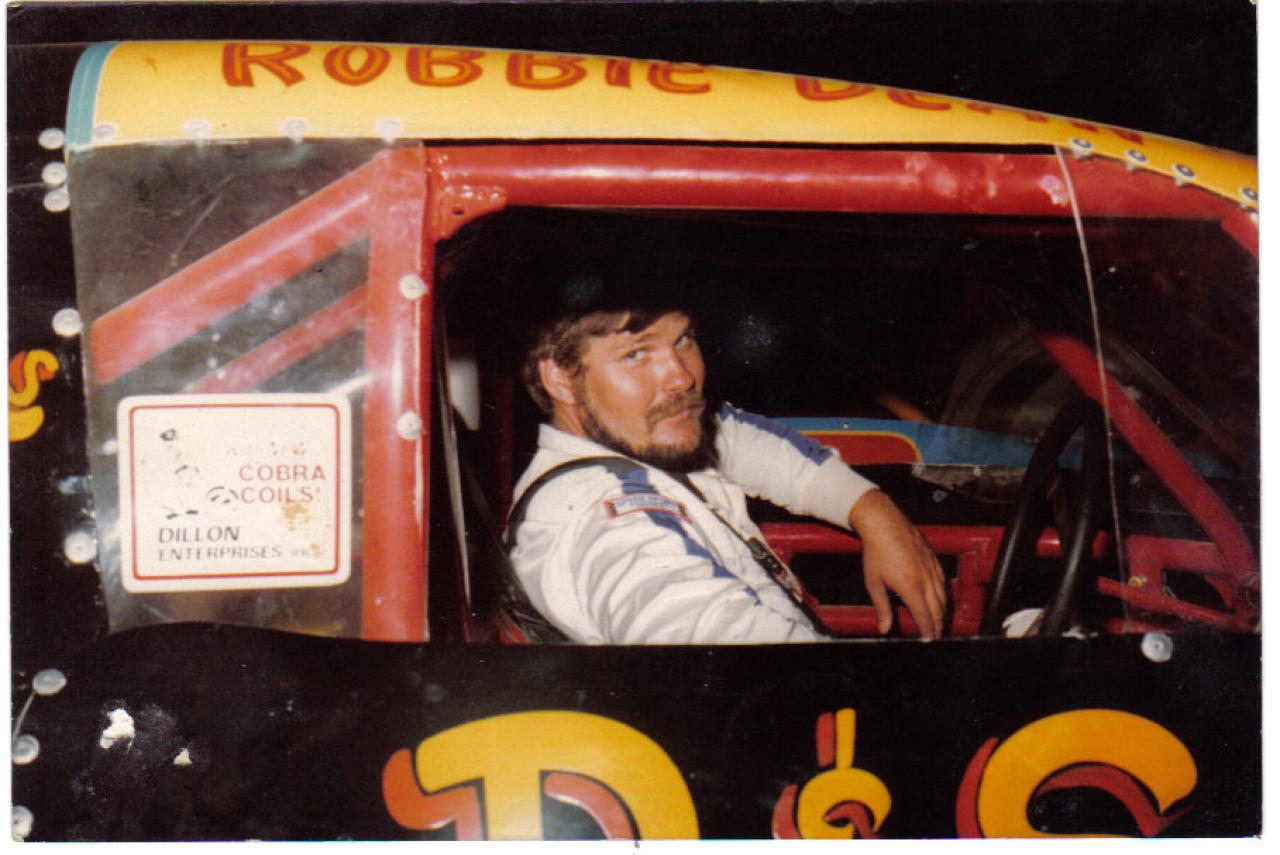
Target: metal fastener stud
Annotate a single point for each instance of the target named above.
(389, 129)
(1157, 646)
(54, 173)
(80, 547)
(67, 323)
(48, 682)
(1183, 173)
(1249, 194)
(26, 748)
(295, 128)
(200, 129)
(52, 139)
(1134, 159)
(412, 286)
(22, 820)
(57, 201)
(409, 426)
(1081, 148)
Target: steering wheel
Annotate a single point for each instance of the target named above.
(1076, 516)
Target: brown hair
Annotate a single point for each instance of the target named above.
(563, 339)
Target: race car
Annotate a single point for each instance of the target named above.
(289, 419)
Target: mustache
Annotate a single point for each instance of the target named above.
(678, 404)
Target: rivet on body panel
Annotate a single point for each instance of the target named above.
(412, 286)
(295, 128)
(80, 547)
(54, 173)
(409, 426)
(67, 323)
(1157, 646)
(22, 820)
(49, 681)
(52, 139)
(1081, 147)
(389, 129)
(26, 748)
(198, 129)
(57, 201)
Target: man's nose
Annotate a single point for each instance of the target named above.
(677, 373)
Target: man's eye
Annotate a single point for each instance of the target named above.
(686, 340)
(633, 355)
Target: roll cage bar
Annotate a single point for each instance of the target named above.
(407, 200)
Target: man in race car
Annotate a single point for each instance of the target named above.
(630, 525)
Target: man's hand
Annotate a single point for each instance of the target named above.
(896, 558)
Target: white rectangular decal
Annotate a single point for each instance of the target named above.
(230, 492)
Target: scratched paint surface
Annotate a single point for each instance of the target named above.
(291, 737)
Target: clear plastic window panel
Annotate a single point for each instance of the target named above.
(144, 215)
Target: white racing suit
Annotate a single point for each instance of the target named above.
(626, 554)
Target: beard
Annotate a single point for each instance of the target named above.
(666, 457)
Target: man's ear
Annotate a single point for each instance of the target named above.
(558, 382)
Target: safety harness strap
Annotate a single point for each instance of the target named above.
(518, 614)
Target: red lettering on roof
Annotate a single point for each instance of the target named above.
(339, 65)
(238, 62)
(911, 99)
(810, 88)
(1127, 135)
(523, 70)
(617, 72)
(988, 109)
(422, 64)
(662, 77)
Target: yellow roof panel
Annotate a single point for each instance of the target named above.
(148, 92)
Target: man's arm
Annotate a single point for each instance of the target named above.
(778, 463)
(785, 467)
(895, 557)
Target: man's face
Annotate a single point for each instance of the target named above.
(641, 394)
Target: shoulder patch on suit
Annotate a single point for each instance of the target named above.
(634, 502)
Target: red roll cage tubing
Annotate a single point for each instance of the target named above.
(406, 200)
